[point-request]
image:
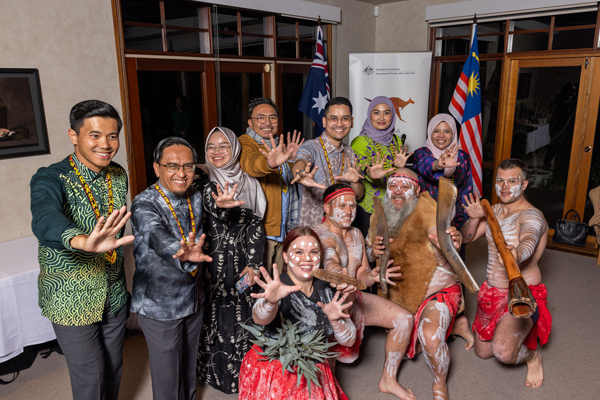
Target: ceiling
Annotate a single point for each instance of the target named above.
(376, 2)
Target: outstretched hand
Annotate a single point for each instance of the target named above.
(307, 178)
(376, 169)
(389, 273)
(401, 157)
(192, 251)
(277, 154)
(294, 143)
(224, 198)
(104, 236)
(274, 289)
(334, 310)
(449, 158)
(351, 175)
(473, 207)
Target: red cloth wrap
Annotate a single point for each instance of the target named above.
(451, 297)
(350, 354)
(262, 380)
(492, 305)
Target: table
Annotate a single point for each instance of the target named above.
(21, 321)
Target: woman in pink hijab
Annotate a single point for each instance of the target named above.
(442, 156)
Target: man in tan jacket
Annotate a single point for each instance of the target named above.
(265, 156)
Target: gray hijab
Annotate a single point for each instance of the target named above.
(249, 189)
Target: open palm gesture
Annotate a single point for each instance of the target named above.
(401, 157)
(351, 174)
(307, 178)
(376, 170)
(274, 289)
(104, 236)
(473, 206)
(276, 154)
(224, 198)
(192, 251)
(294, 143)
(336, 308)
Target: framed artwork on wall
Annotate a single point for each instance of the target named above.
(22, 121)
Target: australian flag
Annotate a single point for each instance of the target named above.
(316, 92)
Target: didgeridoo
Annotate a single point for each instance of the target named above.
(521, 303)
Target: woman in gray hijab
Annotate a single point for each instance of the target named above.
(235, 241)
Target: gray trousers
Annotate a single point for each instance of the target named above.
(173, 350)
(94, 355)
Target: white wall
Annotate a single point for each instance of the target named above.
(72, 44)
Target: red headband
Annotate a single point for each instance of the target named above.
(337, 193)
(405, 176)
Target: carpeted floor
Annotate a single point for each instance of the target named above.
(571, 358)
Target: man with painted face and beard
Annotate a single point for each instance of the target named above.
(509, 339)
(344, 249)
(428, 287)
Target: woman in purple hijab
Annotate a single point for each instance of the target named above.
(441, 156)
(379, 152)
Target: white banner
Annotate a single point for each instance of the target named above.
(404, 78)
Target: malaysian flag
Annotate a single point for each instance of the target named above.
(316, 91)
(466, 108)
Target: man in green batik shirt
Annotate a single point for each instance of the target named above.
(79, 211)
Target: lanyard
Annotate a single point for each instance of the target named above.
(329, 163)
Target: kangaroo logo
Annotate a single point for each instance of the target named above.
(399, 104)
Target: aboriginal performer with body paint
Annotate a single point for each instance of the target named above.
(344, 249)
(379, 152)
(311, 302)
(442, 156)
(498, 333)
(428, 287)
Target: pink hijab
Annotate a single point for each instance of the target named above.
(435, 121)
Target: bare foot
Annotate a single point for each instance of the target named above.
(393, 387)
(440, 392)
(535, 372)
(461, 328)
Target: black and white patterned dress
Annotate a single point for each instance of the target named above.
(234, 239)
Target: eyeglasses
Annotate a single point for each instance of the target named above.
(174, 168)
(345, 120)
(261, 118)
(224, 148)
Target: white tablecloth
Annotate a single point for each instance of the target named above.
(21, 321)
(538, 137)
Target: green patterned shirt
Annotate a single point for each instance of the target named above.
(73, 284)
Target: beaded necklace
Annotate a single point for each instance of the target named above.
(328, 163)
(111, 256)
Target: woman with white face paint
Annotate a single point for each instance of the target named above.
(378, 152)
(299, 298)
(442, 156)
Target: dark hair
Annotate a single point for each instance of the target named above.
(89, 109)
(172, 141)
(258, 101)
(333, 188)
(338, 101)
(511, 163)
(298, 232)
(183, 100)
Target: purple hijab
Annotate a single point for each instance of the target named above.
(386, 136)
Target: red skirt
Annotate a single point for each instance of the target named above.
(451, 297)
(492, 305)
(262, 380)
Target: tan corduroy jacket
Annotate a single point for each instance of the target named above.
(255, 164)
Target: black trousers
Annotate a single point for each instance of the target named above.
(173, 350)
(94, 355)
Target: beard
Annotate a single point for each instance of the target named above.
(395, 218)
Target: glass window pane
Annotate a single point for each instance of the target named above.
(253, 46)
(532, 23)
(224, 19)
(286, 27)
(185, 41)
(537, 41)
(458, 30)
(225, 43)
(142, 38)
(237, 89)
(286, 48)
(543, 133)
(455, 47)
(308, 49)
(141, 11)
(575, 39)
(183, 14)
(163, 115)
(490, 44)
(308, 29)
(587, 18)
(253, 23)
(491, 27)
(293, 85)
